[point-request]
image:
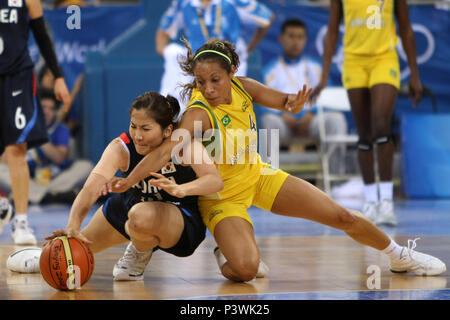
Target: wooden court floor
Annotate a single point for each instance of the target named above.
(320, 265)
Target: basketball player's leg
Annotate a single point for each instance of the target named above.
(236, 240)
(361, 111)
(228, 221)
(383, 97)
(149, 224)
(20, 175)
(298, 198)
(20, 184)
(155, 223)
(25, 126)
(362, 115)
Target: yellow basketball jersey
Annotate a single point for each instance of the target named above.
(233, 143)
(369, 26)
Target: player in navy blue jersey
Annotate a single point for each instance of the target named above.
(22, 124)
(160, 211)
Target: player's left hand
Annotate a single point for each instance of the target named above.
(296, 102)
(170, 186)
(415, 90)
(62, 93)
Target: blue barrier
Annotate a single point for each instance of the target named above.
(425, 141)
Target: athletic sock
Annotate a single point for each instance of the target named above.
(393, 250)
(20, 217)
(371, 192)
(219, 257)
(386, 190)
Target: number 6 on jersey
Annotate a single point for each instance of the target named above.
(20, 119)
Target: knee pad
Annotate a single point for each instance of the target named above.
(382, 139)
(364, 145)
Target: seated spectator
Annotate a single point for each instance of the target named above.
(54, 176)
(289, 72)
(244, 23)
(46, 80)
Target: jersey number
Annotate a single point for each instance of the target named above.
(374, 20)
(1, 45)
(20, 119)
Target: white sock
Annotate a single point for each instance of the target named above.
(220, 258)
(386, 190)
(263, 270)
(20, 218)
(371, 192)
(393, 250)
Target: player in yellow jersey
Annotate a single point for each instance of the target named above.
(220, 101)
(371, 76)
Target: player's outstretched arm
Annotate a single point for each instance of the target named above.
(208, 179)
(407, 36)
(113, 158)
(330, 41)
(272, 98)
(155, 160)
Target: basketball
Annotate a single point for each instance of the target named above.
(66, 263)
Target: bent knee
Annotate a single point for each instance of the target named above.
(246, 269)
(141, 221)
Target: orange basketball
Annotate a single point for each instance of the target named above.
(66, 263)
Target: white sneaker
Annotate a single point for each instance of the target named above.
(132, 265)
(25, 260)
(370, 210)
(353, 188)
(386, 213)
(6, 213)
(22, 233)
(416, 262)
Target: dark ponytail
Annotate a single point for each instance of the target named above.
(174, 107)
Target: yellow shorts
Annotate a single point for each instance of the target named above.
(262, 194)
(367, 71)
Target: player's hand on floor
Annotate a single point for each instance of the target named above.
(70, 233)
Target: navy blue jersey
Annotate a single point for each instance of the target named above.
(14, 33)
(144, 191)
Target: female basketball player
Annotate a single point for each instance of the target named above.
(223, 102)
(371, 76)
(151, 217)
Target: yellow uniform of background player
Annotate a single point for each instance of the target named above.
(369, 44)
(371, 76)
(236, 157)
